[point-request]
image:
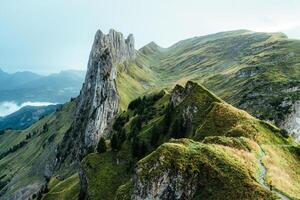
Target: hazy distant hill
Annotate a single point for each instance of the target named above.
(26, 116)
(27, 86)
(12, 81)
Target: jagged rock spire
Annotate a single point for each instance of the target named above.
(98, 102)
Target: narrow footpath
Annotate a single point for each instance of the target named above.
(262, 176)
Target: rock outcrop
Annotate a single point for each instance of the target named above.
(183, 169)
(292, 121)
(179, 93)
(156, 177)
(98, 102)
(249, 72)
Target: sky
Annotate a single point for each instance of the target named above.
(46, 36)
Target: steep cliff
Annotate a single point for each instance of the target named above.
(292, 121)
(98, 102)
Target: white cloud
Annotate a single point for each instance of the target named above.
(9, 107)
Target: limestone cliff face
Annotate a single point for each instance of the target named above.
(179, 93)
(156, 177)
(98, 102)
(168, 185)
(292, 121)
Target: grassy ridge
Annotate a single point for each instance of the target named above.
(230, 141)
(253, 71)
(63, 189)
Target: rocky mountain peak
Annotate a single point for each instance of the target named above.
(179, 93)
(121, 49)
(98, 102)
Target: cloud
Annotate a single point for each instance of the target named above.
(9, 107)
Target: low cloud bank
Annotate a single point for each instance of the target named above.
(9, 107)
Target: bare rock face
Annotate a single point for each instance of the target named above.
(159, 178)
(168, 185)
(292, 121)
(98, 102)
(249, 72)
(179, 93)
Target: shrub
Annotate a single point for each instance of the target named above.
(28, 136)
(179, 129)
(90, 149)
(117, 140)
(120, 122)
(114, 143)
(101, 147)
(136, 126)
(284, 133)
(155, 136)
(45, 127)
(134, 104)
(139, 148)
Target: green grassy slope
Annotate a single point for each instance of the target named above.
(63, 189)
(253, 71)
(23, 170)
(105, 174)
(230, 142)
(134, 79)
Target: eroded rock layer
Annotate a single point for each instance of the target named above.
(99, 99)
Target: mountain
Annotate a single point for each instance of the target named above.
(167, 123)
(15, 80)
(25, 117)
(258, 72)
(26, 86)
(3, 75)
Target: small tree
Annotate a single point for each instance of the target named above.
(45, 127)
(139, 148)
(167, 119)
(122, 135)
(284, 133)
(135, 147)
(155, 136)
(101, 148)
(114, 142)
(179, 129)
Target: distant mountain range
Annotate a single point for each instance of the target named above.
(27, 86)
